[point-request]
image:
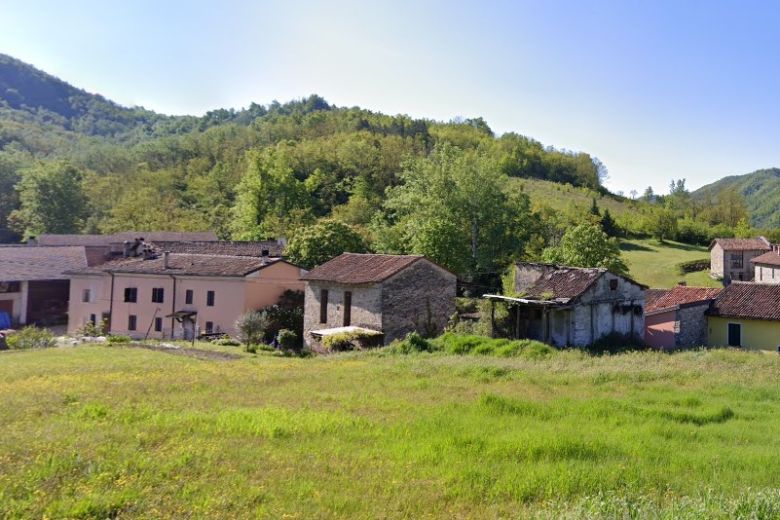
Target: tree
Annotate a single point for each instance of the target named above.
(730, 208)
(316, 244)
(743, 229)
(633, 194)
(456, 207)
(608, 225)
(662, 224)
(251, 326)
(649, 194)
(51, 200)
(586, 245)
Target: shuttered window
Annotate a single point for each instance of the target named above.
(324, 306)
(347, 308)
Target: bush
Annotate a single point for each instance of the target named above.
(693, 266)
(31, 337)
(288, 340)
(465, 344)
(226, 342)
(413, 342)
(286, 314)
(614, 343)
(93, 330)
(252, 326)
(350, 341)
(119, 339)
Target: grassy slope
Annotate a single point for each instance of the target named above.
(99, 431)
(561, 196)
(655, 264)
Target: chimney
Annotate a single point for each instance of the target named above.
(167, 259)
(127, 247)
(264, 256)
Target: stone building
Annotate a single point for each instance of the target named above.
(570, 306)
(391, 294)
(730, 258)
(766, 268)
(675, 318)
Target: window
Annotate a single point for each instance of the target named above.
(324, 306)
(209, 327)
(86, 296)
(131, 294)
(210, 298)
(347, 308)
(613, 285)
(736, 260)
(158, 295)
(188, 296)
(92, 319)
(735, 335)
(131, 322)
(158, 324)
(760, 274)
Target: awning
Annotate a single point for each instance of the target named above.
(182, 315)
(342, 330)
(524, 301)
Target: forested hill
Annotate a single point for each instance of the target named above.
(760, 190)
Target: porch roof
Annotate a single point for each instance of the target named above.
(340, 330)
(525, 301)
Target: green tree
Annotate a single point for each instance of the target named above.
(456, 207)
(743, 229)
(662, 224)
(318, 243)
(586, 245)
(51, 199)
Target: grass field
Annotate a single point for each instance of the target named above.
(562, 196)
(106, 432)
(655, 264)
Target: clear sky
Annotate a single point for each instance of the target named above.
(655, 89)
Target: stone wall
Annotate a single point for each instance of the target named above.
(691, 325)
(716, 261)
(366, 308)
(602, 310)
(420, 298)
(767, 274)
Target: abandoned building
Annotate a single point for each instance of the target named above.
(730, 258)
(569, 306)
(391, 294)
(675, 318)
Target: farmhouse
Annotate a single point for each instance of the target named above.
(730, 258)
(391, 294)
(177, 295)
(767, 266)
(746, 315)
(675, 318)
(570, 306)
(33, 286)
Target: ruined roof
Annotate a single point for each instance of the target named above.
(106, 240)
(652, 295)
(221, 247)
(742, 244)
(748, 300)
(184, 265)
(21, 263)
(354, 268)
(770, 258)
(564, 283)
(680, 295)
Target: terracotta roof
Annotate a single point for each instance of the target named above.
(105, 240)
(564, 284)
(680, 295)
(221, 247)
(748, 300)
(354, 268)
(770, 258)
(652, 295)
(185, 265)
(742, 244)
(22, 263)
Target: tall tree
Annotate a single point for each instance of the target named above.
(51, 199)
(586, 245)
(318, 243)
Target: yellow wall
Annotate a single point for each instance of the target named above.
(756, 334)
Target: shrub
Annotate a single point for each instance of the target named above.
(288, 340)
(31, 337)
(286, 314)
(350, 340)
(413, 342)
(93, 330)
(252, 326)
(614, 343)
(693, 266)
(119, 339)
(463, 344)
(227, 342)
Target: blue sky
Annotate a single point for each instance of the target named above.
(656, 90)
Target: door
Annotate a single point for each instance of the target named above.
(735, 335)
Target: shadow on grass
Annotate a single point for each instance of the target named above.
(632, 246)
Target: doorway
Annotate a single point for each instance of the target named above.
(735, 335)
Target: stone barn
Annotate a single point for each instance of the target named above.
(570, 306)
(731, 258)
(391, 294)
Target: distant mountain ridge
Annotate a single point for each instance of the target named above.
(761, 190)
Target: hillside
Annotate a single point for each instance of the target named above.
(108, 433)
(655, 264)
(761, 190)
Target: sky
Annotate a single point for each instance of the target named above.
(655, 89)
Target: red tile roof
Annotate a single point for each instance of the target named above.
(680, 295)
(747, 300)
(354, 268)
(184, 265)
(221, 247)
(24, 263)
(770, 258)
(742, 244)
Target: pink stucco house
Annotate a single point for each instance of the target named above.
(675, 318)
(148, 296)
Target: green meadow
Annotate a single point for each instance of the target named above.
(119, 432)
(655, 264)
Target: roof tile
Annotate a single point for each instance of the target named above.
(748, 300)
(354, 268)
(23, 263)
(680, 295)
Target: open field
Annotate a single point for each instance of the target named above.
(655, 264)
(562, 196)
(97, 432)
